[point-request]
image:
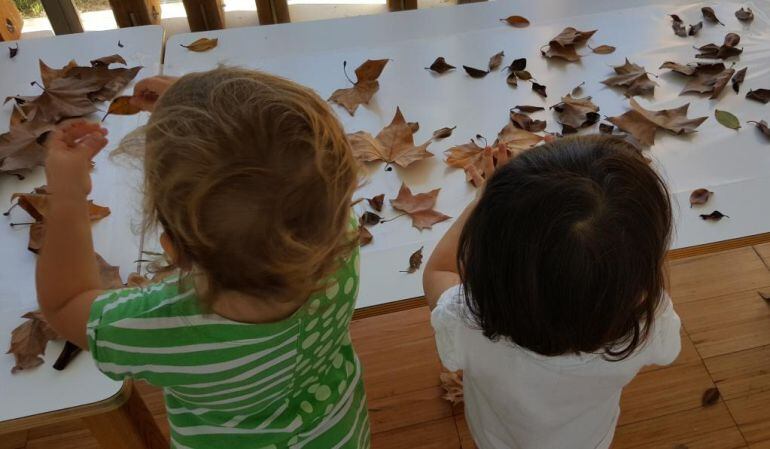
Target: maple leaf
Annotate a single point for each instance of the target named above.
(709, 79)
(576, 113)
(564, 44)
(633, 77)
(516, 140)
(419, 207)
(394, 144)
(29, 340)
(643, 123)
(20, 147)
(363, 89)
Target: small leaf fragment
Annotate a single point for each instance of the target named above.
(364, 236)
(727, 119)
(710, 15)
(13, 51)
(443, 133)
(700, 196)
(474, 72)
(678, 26)
(202, 44)
(516, 21)
(512, 80)
(710, 397)
(603, 49)
(376, 202)
(518, 65)
(714, 216)
(738, 78)
(496, 61)
(369, 219)
(440, 66)
(539, 89)
(760, 95)
(744, 15)
(415, 261)
(762, 127)
(694, 29)
(529, 109)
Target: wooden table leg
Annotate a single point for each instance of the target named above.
(203, 15)
(131, 426)
(273, 11)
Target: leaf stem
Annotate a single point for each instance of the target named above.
(393, 218)
(29, 223)
(345, 71)
(8, 212)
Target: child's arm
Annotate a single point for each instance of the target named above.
(442, 272)
(67, 276)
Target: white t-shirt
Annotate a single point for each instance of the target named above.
(518, 399)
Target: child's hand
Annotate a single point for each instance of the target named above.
(148, 90)
(71, 146)
(491, 160)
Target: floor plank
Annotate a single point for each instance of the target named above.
(752, 413)
(699, 428)
(407, 409)
(466, 439)
(440, 434)
(664, 391)
(702, 277)
(742, 373)
(727, 323)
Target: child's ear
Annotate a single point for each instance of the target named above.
(168, 247)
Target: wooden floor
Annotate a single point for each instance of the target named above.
(725, 343)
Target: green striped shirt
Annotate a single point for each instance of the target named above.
(294, 383)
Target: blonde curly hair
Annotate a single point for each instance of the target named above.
(251, 175)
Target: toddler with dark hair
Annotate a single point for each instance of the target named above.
(548, 293)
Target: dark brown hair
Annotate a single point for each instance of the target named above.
(564, 251)
(251, 175)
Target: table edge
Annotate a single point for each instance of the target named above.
(68, 414)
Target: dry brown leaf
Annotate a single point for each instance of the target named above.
(633, 78)
(564, 44)
(516, 21)
(700, 196)
(107, 60)
(529, 108)
(443, 133)
(760, 95)
(363, 89)
(29, 340)
(688, 69)
(710, 397)
(706, 81)
(20, 147)
(415, 261)
(643, 123)
(710, 15)
(738, 78)
(526, 122)
(394, 144)
(496, 60)
(202, 44)
(419, 207)
(474, 72)
(452, 383)
(576, 113)
(516, 140)
(376, 202)
(518, 65)
(714, 216)
(440, 66)
(727, 50)
(603, 49)
(109, 275)
(364, 236)
(762, 127)
(369, 219)
(744, 15)
(122, 106)
(693, 30)
(678, 26)
(539, 89)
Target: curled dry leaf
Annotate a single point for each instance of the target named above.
(394, 144)
(633, 78)
(564, 45)
(369, 219)
(443, 133)
(603, 49)
(762, 127)
(710, 397)
(693, 30)
(440, 66)
(376, 202)
(700, 196)
(738, 78)
(528, 108)
(452, 383)
(705, 77)
(518, 65)
(13, 51)
(526, 122)
(760, 95)
(29, 340)
(714, 216)
(363, 89)
(202, 44)
(474, 72)
(364, 236)
(415, 261)
(496, 61)
(576, 113)
(678, 26)
(727, 119)
(539, 89)
(744, 15)
(419, 207)
(516, 21)
(68, 353)
(728, 48)
(643, 124)
(105, 61)
(122, 106)
(523, 75)
(710, 15)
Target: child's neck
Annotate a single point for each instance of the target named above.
(249, 309)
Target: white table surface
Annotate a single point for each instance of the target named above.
(734, 165)
(116, 238)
